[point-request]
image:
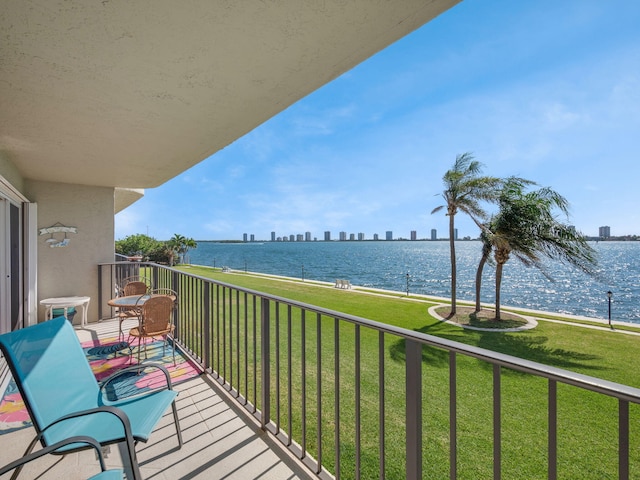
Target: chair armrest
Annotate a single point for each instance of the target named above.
(104, 383)
(91, 442)
(124, 419)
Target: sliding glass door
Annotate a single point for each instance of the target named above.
(13, 281)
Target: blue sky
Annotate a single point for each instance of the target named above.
(544, 89)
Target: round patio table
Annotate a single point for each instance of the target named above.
(66, 303)
(131, 301)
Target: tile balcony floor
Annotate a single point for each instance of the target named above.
(220, 440)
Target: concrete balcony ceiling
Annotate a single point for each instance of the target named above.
(129, 94)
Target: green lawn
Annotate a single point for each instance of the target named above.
(587, 422)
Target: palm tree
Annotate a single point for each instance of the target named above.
(486, 235)
(189, 243)
(175, 243)
(525, 227)
(464, 189)
(487, 248)
(181, 245)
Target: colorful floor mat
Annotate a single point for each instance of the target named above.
(107, 356)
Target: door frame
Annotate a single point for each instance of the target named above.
(18, 256)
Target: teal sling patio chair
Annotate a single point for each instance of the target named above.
(63, 397)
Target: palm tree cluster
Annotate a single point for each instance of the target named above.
(525, 225)
(155, 250)
(181, 245)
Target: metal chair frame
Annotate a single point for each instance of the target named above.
(105, 474)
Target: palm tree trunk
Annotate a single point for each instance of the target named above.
(498, 284)
(452, 249)
(483, 260)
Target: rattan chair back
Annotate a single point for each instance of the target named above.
(135, 288)
(156, 319)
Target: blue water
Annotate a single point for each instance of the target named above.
(385, 265)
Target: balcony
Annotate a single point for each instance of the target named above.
(294, 390)
(220, 441)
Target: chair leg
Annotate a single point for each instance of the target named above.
(121, 333)
(176, 421)
(135, 468)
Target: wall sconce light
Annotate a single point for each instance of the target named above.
(54, 229)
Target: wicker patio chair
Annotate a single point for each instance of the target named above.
(156, 321)
(131, 286)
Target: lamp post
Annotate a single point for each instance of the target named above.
(407, 284)
(609, 295)
(303, 273)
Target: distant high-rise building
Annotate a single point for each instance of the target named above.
(299, 237)
(376, 237)
(273, 236)
(361, 236)
(414, 235)
(253, 237)
(244, 237)
(389, 235)
(292, 238)
(352, 236)
(327, 236)
(604, 232)
(455, 233)
(343, 236)
(434, 234)
(307, 236)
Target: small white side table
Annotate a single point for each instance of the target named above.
(66, 303)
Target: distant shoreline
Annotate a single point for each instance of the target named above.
(625, 238)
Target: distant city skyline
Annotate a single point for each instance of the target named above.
(604, 232)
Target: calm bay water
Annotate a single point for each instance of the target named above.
(385, 265)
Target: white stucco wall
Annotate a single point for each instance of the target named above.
(72, 270)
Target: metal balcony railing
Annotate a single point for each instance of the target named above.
(355, 398)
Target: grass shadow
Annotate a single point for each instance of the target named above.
(523, 345)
